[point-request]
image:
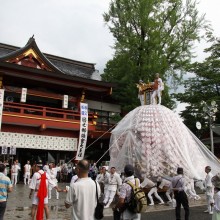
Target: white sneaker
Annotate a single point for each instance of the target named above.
(210, 213)
(151, 204)
(161, 203)
(206, 210)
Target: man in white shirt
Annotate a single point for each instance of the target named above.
(209, 189)
(19, 165)
(147, 183)
(190, 190)
(14, 173)
(52, 171)
(114, 183)
(99, 176)
(99, 180)
(166, 185)
(157, 90)
(27, 172)
(104, 179)
(82, 194)
(46, 167)
(178, 187)
(40, 189)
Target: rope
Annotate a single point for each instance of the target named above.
(94, 141)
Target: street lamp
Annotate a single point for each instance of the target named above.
(210, 111)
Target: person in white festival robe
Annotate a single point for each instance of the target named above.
(14, 173)
(27, 173)
(165, 184)
(157, 90)
(147, 183)
(104, 179)
(52, 171)
(114, 183)
(190, 190)
(209, 189)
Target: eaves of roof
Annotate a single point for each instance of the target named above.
(30, 45)
(14, 69)
(64, 65)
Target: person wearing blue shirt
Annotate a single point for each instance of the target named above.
(5, 188)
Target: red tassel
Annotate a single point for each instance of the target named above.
(42, 194)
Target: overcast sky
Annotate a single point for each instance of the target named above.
(71, 28)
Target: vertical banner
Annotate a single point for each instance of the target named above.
(83, 131)
(65, 101)
(1, 105)
(4, 150)
(12, 151)
(23, 94)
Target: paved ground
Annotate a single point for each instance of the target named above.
(196, 213)
(19, 204)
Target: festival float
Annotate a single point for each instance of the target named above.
(155, 141)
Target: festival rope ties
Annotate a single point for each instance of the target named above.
(42, 194)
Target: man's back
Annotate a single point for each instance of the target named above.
(5, 185)
(82, 196)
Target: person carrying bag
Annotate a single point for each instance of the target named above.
(99, 207)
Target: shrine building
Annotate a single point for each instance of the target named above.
(41, 96)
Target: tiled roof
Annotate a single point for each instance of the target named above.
(66, 66)
(72, 69)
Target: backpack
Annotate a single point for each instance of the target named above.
(138, 201)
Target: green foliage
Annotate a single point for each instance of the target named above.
(205, 86)
(151, 36)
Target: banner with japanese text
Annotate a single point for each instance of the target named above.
(12, 151)
(83, 131)
(23, 94)
(4, 150)
(1, 105)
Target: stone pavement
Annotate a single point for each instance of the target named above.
(18, 206)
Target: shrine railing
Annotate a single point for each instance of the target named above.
(53, 113)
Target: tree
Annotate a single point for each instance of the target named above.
(205, 86)
(150, 36)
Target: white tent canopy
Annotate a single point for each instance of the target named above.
(155, 140)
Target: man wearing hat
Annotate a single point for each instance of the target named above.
(39, 187)
(125, 194)
(177, 186)
(209, 188)
(114, 183)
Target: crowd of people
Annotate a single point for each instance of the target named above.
(178, 190)
(23, 173)
(111, 187)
